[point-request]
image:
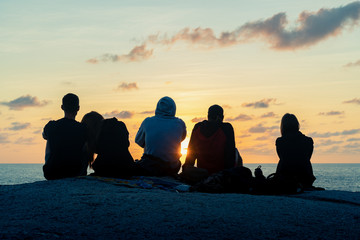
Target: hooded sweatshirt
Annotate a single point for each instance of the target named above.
(162, 134)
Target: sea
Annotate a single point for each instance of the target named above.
(344, 177)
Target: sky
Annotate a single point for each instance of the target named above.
(257, 59)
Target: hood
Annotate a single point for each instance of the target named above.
(165, 107)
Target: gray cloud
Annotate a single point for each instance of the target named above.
(148, 112)
(261, 138)
(4, 138)
(309, 29)
(332, 134)
(261, 129)
(353, 64)
(241, 117)
(16, 126)
(332, 113)
(268, 115)
(263, 103)
(195, 120)
(138, 53)
(355, 101)
(328, 143)
(24, 102)
(353, 147)
(117, 114)
(25, 141)
(353, 139)
(128, 86)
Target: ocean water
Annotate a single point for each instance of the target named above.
(344, 177)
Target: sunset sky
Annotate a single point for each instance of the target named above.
(258, 59)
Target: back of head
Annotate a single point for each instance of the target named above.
(216, 113)
(70, 103)
(92, 120)
(289, 124)
(166, 107)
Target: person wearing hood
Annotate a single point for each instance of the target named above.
(294, 150)
(212, 144)
(161, 137)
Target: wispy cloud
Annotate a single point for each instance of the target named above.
(241, 117)
(127, 86)
(227, 106)
(138, 53)
(24, 102)
(25, 141)
(328, 143)
(261, 129)
(332, 113)
(16, 126)
(354, 101)
(195, 120)
(148, 112)
(4, 138)
(263, 103)
(353, 139)
(309, 29)
(353, 64)
(117, 114)
(268, 115)
(332, 134)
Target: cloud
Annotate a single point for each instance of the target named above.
(16, 126)
(24, 102)
(353, 64)
(261, 129)
(195, 120)
(309, 29)
(25, 141)
(138, 53)
(241, 117)
(227, 106)
(328, 143)
(332, 113)
(38, 131)
(4, 138)
(263, 103)
(268, 115)
(355, 101)
(148, 112)
(332, 134)
(117, 114)
(261, 138)
(353, 139)
(128, 86)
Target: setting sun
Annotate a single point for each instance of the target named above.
(184, 147)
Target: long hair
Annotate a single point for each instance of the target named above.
(92, 121)
(289, 124)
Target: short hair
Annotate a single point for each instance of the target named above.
(289, 123)
(70, 103)
(215, 111)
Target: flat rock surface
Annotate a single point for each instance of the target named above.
(83, 209)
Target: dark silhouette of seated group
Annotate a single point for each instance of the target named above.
(72, 146)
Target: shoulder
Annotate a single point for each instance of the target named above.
(227, 125)
(279, 140)
(199, 124)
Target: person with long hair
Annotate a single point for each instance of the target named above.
(92, 121)
(294, 150)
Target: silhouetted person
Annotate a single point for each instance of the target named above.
(112, 147)
(161, 137)
(294, 150)
(212, 143)
(65, 137)
(92, 121)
